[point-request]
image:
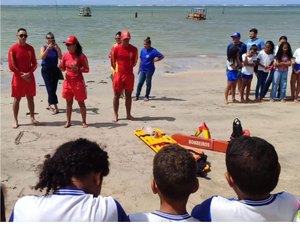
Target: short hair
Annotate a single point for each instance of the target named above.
(254, 30)
(253, 164)
(75, 158)
(118, 33)
(175, 172)
(21, 29)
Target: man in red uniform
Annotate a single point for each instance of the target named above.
(125, 57)
(22, 62)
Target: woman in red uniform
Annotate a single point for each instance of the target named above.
(74, 62)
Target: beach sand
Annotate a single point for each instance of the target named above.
(180, 102)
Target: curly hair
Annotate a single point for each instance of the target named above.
(75, 158)
(175, 172)
(253, 164)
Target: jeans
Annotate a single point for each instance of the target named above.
(280, 78)
(268, 84)
(144, 76)
(261, 80)
(50, 77)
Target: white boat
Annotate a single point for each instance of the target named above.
(85, 11)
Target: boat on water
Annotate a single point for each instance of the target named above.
(85, 11)
(197, 14)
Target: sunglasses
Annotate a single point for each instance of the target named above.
(23, 35)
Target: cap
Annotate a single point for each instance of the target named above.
(236, 35)
(71, 40)
(125, 34)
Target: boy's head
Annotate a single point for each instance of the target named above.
(174, 171)
(79, 163)
(253, 165)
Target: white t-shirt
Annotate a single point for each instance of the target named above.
(278, 207)
(67, 205)
(248, 70)
(264, 59)
(297, 55)
(229, 63)
(158, 216)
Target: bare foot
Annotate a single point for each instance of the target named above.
(84, 125)
(235, 101)
(226, 102)
(67, 125)
(16, 125)
(130, 117)
(272, 100)
(116, 118)
(34, 122)
(283, 100)
(296, 100)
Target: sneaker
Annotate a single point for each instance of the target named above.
(146, 99)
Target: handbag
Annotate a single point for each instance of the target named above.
(60, 74)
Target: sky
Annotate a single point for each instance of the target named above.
(147, 2)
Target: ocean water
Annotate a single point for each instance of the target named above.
(170, 31)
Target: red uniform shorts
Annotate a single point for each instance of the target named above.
(74, 88)
(21, 88)
(123, 82)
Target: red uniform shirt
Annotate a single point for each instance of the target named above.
(70, 60)
(21, 59)
(125, 58)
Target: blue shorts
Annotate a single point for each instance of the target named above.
(232, 75)
(297, 66)
(248, 77)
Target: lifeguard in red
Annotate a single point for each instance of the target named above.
(22, 60)
(125, 58)
(74, 85)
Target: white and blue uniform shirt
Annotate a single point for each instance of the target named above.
(147, 56)
(158, 216)
(278, 207)
(68, 205)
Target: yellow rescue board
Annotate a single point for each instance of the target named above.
(156, 140)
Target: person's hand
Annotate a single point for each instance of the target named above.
(26, 76)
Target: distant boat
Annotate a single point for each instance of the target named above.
(85, 11)
(197, 14)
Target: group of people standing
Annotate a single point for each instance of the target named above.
(124, 57)
(268, 63)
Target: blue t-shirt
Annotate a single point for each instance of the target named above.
(258, 42)
(147, 56)
(51, 59)
(242, 48)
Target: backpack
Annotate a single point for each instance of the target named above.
(203, 167)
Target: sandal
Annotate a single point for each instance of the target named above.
(55, 111)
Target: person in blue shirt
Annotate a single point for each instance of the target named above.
(254, 40)
(148, 57)
(50, 54)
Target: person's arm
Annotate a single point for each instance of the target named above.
(113, 58)
(58, 50)
(33, 64)
(158, 57)
(62, 65)
(12, 63)
(84, 65)
(135, 57)
(202, 211)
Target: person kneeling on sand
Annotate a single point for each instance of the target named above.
(252, 172)
(175, 178)
(74, 176)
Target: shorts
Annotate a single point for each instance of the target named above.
(21, 88)
(74, 88)
(232, 75)
(246, 76)
(297, 66)
(123, 82)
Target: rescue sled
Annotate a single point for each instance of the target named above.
(156, 139)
